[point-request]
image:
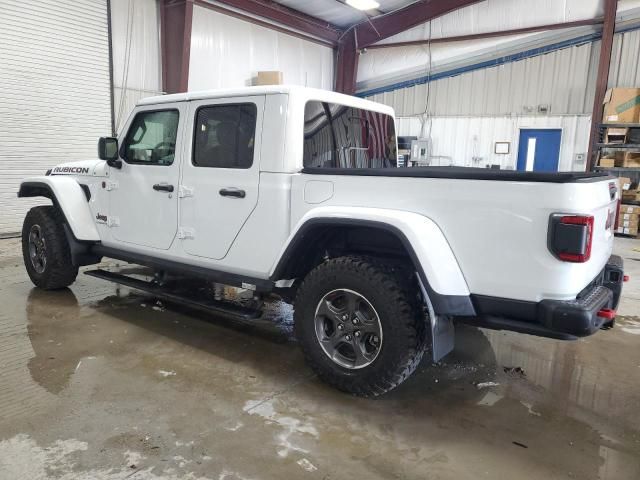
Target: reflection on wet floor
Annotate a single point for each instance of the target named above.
(124, 373)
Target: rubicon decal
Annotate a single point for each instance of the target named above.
(81, 170)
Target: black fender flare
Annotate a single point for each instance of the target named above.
(449, 305)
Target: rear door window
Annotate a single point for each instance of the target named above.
(224, 136)
(337, 136)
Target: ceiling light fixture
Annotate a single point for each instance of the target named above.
(363, 4)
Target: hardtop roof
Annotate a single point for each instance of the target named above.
(297, 92)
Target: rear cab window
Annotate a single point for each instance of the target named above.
(339, 136)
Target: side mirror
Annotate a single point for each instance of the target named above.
(108, 150)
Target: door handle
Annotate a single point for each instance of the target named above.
(232, 192)
(163, 187)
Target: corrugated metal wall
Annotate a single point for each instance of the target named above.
(625, 65)
(136, 54)
(228, 52)
(493, 15)
(54, 91)
(562, 79)
(468, 113)
(558, 79)
(383, 67)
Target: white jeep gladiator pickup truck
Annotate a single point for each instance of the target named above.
(295, 192)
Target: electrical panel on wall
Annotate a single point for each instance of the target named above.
(420, 151)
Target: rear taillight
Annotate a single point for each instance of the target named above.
(570, 237)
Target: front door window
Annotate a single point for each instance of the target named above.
(151, 139)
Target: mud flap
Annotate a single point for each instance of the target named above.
(80, 251)
(442, 336)
(442, 329)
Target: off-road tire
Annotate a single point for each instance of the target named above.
(59, 272)
(401, 317)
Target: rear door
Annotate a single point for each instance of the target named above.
(143, 202)
(220, 177)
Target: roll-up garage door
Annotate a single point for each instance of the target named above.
(54, 91)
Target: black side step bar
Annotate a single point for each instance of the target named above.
(208, 305)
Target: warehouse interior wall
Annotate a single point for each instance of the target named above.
(386, 66)
(135, 38)
(469, 141)
(549, 86)
(228, 52)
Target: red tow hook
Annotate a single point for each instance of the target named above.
(607, 313)
(625, 278)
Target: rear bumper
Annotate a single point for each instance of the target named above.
(555, 318)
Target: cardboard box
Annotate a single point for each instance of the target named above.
(631, 195)
(622, 105)
(269, 78)
(629, 223)
(633, 209)
(616, 135)
(628, 220)
(607, 162)
(628, 159)
(624, 182)
(628, 230)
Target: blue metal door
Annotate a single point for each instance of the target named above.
(539, 149)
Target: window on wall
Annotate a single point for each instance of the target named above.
(224, 136)
(337, 136)
(151, 139)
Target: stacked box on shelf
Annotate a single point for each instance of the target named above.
(621, 159)
(625, 183)
(607, 162)
(631, 196)
(622, 105)
(628, 220)
(630, 159)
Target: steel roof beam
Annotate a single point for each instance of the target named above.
(378, 28)
(384, 26)
(288, 17)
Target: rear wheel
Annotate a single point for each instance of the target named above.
(45, 249)
(359, 327)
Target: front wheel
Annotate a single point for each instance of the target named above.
(360, 328)
(45, 249)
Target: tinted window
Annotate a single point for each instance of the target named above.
(224, 136)
(151, 139)
(336, 136)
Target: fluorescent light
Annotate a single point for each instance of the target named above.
(363, 4)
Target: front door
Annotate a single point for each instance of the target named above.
(143, 200)
(539, 149)
(221, 173)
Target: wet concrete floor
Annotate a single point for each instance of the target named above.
(98, 382)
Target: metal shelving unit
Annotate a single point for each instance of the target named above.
(619, 169)
(618, 146)
(601, 146)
